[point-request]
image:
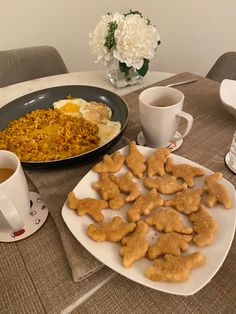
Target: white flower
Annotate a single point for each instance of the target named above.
(129, 38)
(98, 37)
(135, 40)
(119, 18)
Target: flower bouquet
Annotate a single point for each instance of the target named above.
(126, 43)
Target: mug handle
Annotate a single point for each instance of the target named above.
(10, 213)
(189, 119)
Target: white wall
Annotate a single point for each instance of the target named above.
(193, 33)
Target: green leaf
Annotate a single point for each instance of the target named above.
(143, 70)
(110, 38)
(133, 12)
(124, 69)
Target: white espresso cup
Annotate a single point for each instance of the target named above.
(14, 193)
(160, 109)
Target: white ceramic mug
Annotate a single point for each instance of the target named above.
(14, 194)
(160, 109)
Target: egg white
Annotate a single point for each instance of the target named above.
(107, 130)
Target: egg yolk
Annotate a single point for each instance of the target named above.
(70, 107)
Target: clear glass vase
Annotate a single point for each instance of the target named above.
(118, 78)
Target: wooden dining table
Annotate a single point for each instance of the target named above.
(51, 272)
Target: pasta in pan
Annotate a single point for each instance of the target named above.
(44, 135)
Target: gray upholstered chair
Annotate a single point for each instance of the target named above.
(23, 64)
(224, 67)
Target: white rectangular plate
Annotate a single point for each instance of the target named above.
(108, 253)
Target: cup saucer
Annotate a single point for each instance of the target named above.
(231, 164)
(37, 216)
(174, 145)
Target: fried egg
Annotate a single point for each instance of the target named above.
(96, 112)
(70, 107)
(107, 130)
(77, 107)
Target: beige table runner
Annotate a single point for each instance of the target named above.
(54, 185)
(36, 277)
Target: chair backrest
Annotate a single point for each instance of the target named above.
(224, 67)
(23, 64)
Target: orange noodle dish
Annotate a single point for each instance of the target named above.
(73, 127)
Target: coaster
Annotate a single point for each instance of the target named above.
(174, 145)
(229, 163)
(37, 216)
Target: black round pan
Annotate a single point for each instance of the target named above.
(44, 99)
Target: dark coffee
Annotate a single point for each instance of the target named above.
(5, 173)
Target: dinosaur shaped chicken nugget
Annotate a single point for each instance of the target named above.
(127, 185)
(216, 191)
(168, 220)
(204, 225)
(184, 171)
(174, 268)
(109, 191)
(186, 201)
(144, 204)
(112, 231)
(134, 246)
(169, 243)
(156, 162)
(110, 164)
(90, 206)
(135, 160)
(165, 184)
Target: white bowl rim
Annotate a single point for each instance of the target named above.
(228, 99)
